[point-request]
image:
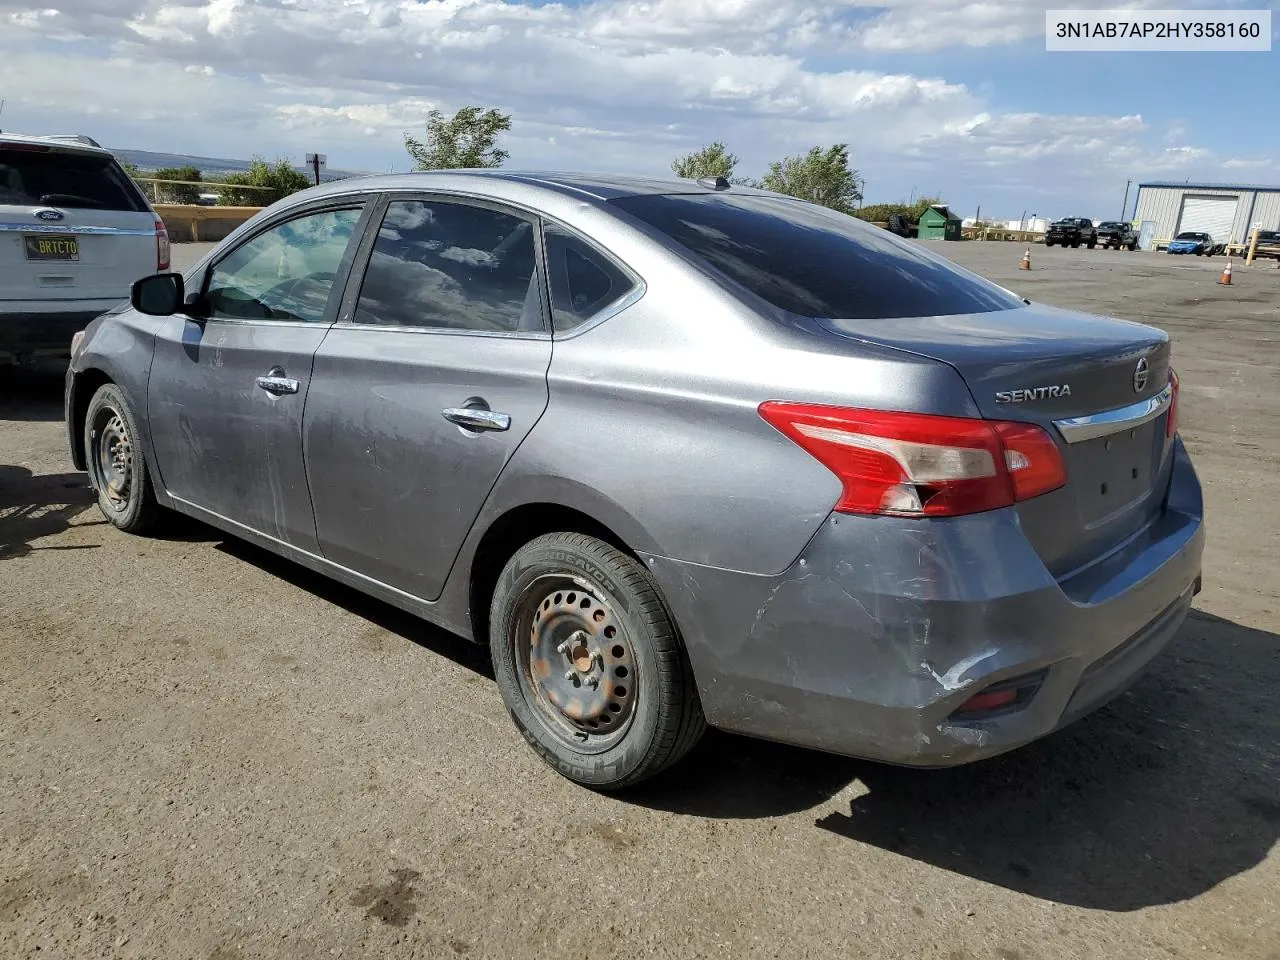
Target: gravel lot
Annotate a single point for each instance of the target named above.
(207, 752)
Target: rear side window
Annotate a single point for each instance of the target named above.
(583, 280)
(815, 262)
(452, 266)
(63, 179)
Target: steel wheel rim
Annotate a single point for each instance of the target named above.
(577, 662)
(113, 459)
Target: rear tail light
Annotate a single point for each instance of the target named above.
(921, 465)
(1171, 424)
(77, 338)
(162, 247)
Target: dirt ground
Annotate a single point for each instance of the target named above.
(206, 752)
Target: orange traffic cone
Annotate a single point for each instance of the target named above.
(1226, 272)
(1026, 260)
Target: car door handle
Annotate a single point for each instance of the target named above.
(476, 418)
(278, 385)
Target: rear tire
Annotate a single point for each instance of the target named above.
(590, 664)
(117, 466)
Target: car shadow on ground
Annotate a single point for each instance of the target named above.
(1158, 797)
(33, 506)
(472, 656)
(32, 396)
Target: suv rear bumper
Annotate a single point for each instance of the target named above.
(28, 336)
(872, 640)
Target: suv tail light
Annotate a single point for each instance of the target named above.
(162, 246)
(922, 465)
(1171, 425)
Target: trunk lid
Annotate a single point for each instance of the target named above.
(1044, 365)
(72, 225)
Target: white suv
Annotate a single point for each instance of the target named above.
(75, 232)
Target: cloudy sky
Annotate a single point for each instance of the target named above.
(949, 97)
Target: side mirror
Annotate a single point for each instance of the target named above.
(159, 295)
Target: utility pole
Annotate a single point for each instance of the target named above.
(1125, 206)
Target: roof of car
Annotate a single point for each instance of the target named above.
(598, 186)
(62, 141)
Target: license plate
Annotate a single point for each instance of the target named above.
(52, 248)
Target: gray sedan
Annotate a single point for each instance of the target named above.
(681, 453)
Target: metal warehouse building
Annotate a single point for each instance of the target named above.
(1225, 211)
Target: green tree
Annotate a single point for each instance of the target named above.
(711, 161)
(464, 140)
(821, 176)
(172, 192)
(279, 178)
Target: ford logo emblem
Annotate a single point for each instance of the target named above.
(49, 214)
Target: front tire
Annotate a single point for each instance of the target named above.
(590, 664)
(117, 466)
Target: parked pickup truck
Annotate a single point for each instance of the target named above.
(1115, 233)
(1071, 232)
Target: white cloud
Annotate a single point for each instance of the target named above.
(609, 84)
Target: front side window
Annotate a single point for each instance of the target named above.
(815, 262)
(452, 266)
(583, 280)
(285, 273)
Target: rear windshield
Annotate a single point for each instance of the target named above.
(61, 179)
(815, 262)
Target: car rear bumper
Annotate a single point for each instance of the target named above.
(28, 334)
(884, 627)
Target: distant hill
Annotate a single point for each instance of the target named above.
(148, 160)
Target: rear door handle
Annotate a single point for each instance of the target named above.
(476, 418)
(277, 383)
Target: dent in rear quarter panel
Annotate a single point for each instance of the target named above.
(122, 345)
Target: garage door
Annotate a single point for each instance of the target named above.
(1212, 215)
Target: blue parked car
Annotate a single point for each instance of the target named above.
(1201, 244)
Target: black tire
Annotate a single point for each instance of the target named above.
(1075, 243)
(117, 466)
(569, 588)
(1091, 244)
(1133, 246)
(1048, 243)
